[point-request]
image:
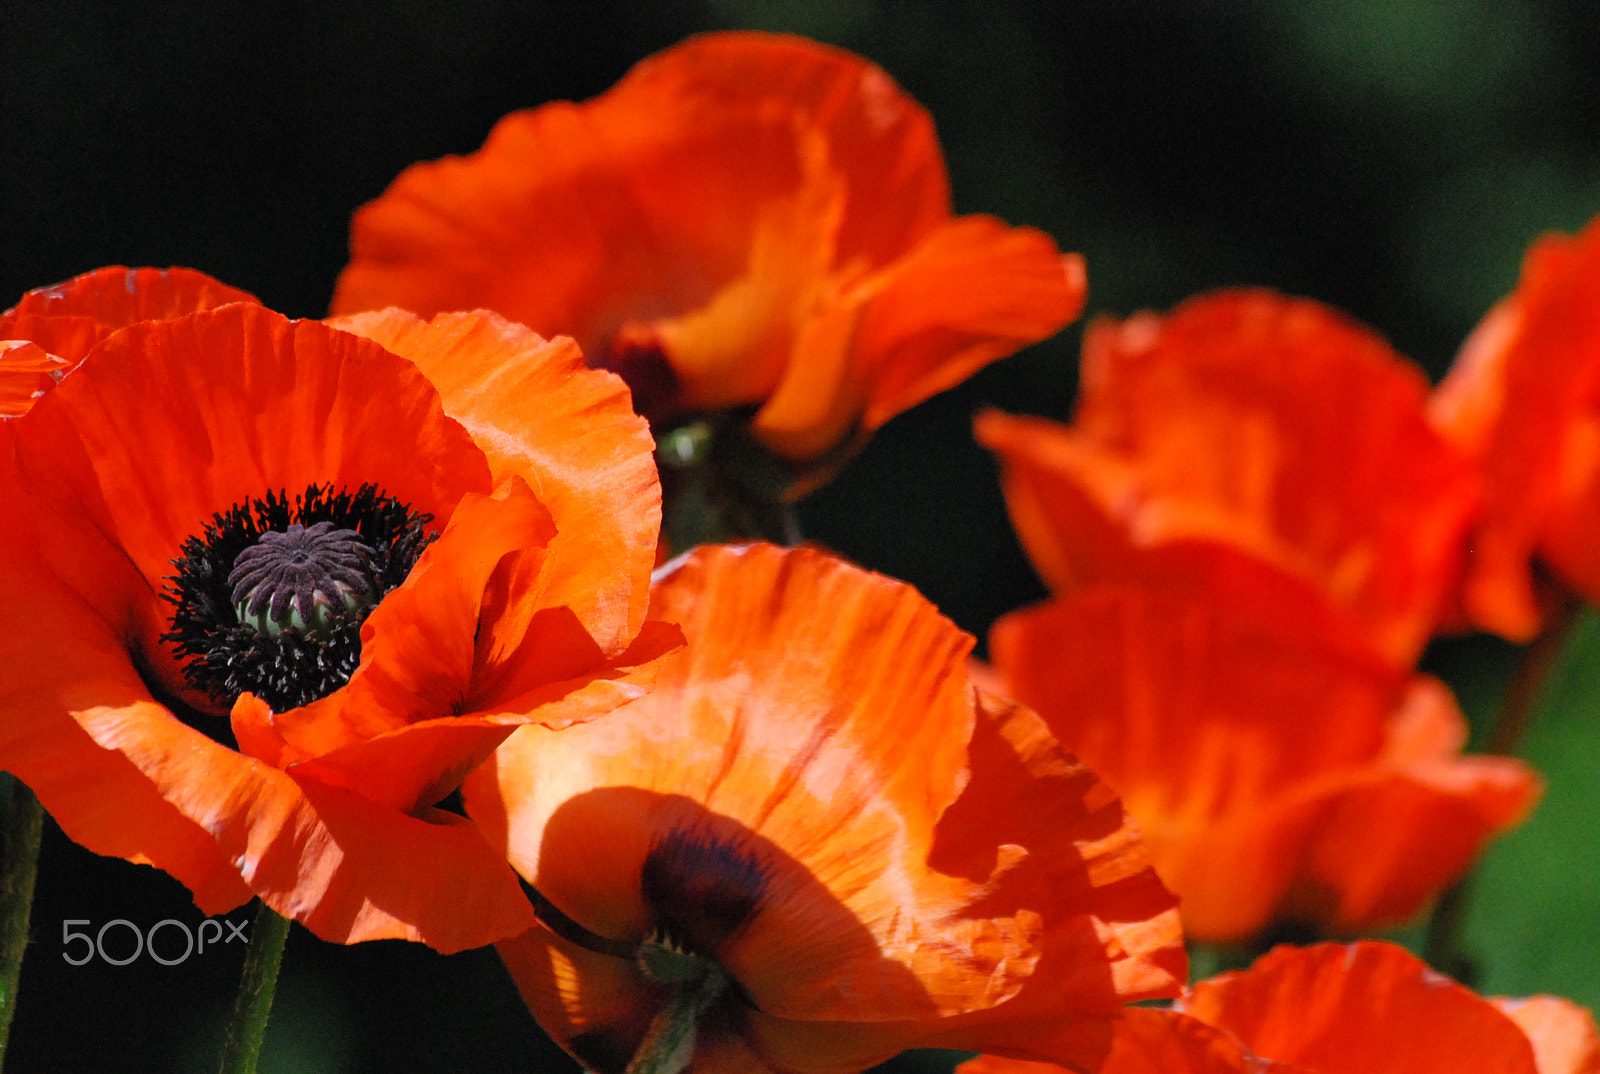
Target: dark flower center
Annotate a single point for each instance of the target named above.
(297, 578)
(702, 892)
(271, 595)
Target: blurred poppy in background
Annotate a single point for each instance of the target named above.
(1365, 1008)
(1523, 400)
(1283, 775)
(1248, 425)
(747, 222)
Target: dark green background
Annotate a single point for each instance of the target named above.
(1392, 157)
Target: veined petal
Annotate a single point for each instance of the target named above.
(68, 318)
(538, 412)
(162, 437)
(901, 851)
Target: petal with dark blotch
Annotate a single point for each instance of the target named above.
(183, 419)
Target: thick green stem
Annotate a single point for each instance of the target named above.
(669, 1045)
(256, 986)
(20, 828)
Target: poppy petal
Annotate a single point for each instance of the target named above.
(419, 647)
(745, 220)
(972, 291)
(1521, 400)
(1202, 721)
(1365, 1008)
(68, 318)
(27, 371)
(163, 436)
(346, 867)
(1276, 770)
(1154, 1042)
(537, 411)
(569, 212)
(1278, 424)
(61, 657)
(1563, 1034)
(901, 874)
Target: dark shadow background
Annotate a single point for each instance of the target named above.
(1392, 157)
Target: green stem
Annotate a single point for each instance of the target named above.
(20, 828)
(256, 985)
(1441, 945)
(669, 1045)
(1533, 670)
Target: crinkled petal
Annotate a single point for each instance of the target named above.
(68, 318)
(164, 434)
(570, 432)
(828, 752)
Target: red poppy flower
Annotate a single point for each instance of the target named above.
(1245, 429)
(816, 807)
(230, 512)
(1523, 399)
(1279, 769)
(1366, 1008)
(744, 221)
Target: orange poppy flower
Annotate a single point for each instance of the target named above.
(52, 328)
(230, 513)
(1280, 770)
(817, 809)
(1366, 1008)
(1247, 428)
(1523, 399)
(746, 221)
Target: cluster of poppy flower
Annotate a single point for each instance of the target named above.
(361, 616)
